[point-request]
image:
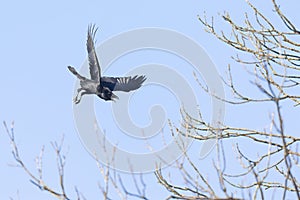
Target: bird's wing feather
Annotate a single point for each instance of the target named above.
(126, 84)
(95, 69)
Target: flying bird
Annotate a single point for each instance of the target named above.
(102, 86)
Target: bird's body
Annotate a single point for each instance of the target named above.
(90, 86)
(103, 87)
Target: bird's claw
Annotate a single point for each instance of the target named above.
(76, 100)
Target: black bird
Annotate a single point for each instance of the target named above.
(103, 87)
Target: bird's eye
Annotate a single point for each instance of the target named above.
(106, 91)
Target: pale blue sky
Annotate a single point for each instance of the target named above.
(40, 39)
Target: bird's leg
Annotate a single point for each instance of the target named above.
(79, 90)
(79, 95)
(77, 100)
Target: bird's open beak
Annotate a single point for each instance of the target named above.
(114, 97)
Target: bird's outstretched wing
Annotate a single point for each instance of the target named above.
(95, 69)
(125, 84)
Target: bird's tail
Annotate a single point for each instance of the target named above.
(73, 70)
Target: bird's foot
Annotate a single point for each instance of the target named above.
(76, 100)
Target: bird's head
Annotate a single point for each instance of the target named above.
(106, 94)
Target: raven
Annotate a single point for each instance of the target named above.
(103, 87)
